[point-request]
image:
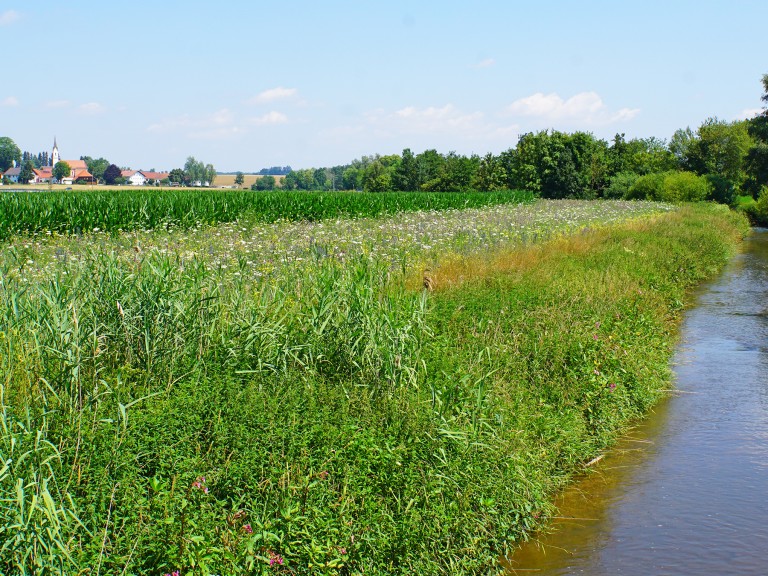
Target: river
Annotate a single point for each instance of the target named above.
(686, 492)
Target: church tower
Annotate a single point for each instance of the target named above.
(55, 154)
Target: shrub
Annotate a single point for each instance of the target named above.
(620, 185)
(758, 212)
(647, 187)
(685, 187)
(671, 187)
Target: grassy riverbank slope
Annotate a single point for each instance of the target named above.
(161, 414)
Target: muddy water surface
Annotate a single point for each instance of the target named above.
(687, 492)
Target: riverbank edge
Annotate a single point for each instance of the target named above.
(576, 338)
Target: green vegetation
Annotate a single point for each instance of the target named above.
(171, 407)
(76, 211)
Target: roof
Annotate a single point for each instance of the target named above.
(76, 164)
(14, 171)
(82, 174)
(127, 173)
(154, 175)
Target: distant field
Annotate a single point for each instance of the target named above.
(229, 180)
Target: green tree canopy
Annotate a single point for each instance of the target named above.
(757, 155)
(27, 172)
(9, 153)
(96, 166)
(61, 170)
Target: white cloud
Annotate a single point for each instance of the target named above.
(445, 123)
(57, 103)
(220, 125)
(9, 17)
(9, 101)
(91, 108)
(584, 107)
(269, 118)
(429, 120)
(487, 63)
(273, 94)
(749, 113)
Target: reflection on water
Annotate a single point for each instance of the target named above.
(686, 492)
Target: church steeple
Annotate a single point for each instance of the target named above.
(55, 154)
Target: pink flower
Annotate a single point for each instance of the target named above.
(247, 529)
(275, 559)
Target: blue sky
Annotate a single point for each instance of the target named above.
(246, 85)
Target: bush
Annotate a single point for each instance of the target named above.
(671, 187)
(647, 187)
(757, 212)
(620, 185)
(685, 187)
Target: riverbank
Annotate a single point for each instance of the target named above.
(338, 421)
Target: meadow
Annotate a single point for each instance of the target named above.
(380, 393)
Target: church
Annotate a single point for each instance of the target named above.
(78, 170)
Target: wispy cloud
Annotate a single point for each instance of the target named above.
(445, 121)
(748, 113)
(220, 125)
(269, 118)
(273, 94)
(9, 17)
(584, 107)
(55, 104)
(9, 101)
(91, 108)
(487, 63)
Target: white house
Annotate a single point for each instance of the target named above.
(13, 174)
(133, 177)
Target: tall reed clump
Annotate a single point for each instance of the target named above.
(168, 415)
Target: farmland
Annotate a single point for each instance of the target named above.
(362, 387)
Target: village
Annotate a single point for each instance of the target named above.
(80, 174)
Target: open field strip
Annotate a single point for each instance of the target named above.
(406, 240)
(251, 398)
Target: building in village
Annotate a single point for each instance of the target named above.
(79, 173)
(78, 169)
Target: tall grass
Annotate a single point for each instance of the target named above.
(179, 416)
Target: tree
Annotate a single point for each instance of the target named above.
(756, 162)
(112, 174)
(9, 153)
(176, 176)
(239, 178)
(490, 174)
(264, 183)
(27, 172)
(720, 148)
(96, 166)
(61, 170)
(406, 175)
(209, 175)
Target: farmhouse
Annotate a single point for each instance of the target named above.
(143, 177)
(13, 174)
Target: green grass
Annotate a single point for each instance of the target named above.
(188, 418)
(85, 211)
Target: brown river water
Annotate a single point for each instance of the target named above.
(686, 492)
